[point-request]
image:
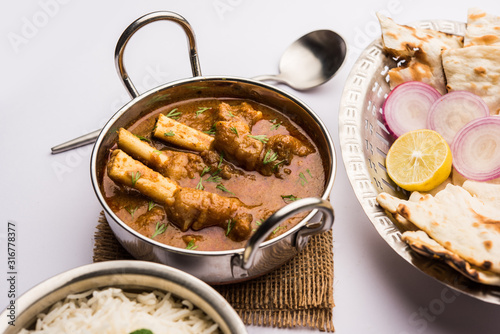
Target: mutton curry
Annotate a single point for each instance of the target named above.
(204, 173)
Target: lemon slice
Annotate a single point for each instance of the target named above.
(419, 160)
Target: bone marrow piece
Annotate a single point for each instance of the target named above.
(181, 135)
(127, 171)
(173, 164)
(187, 208)
(224, 166)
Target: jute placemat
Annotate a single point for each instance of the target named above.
(298, 294)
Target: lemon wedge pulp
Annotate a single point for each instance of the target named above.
(419, 160)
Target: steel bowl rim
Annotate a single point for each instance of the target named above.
(122, 268)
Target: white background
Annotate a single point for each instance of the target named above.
(58, 81)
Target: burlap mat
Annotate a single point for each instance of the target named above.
(299, 293)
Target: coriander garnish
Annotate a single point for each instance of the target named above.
(309, 172)
(261, 138)
(160, 228)
(214, 179)
(200, 186)
(191, 245)
(289, 198)
(233, 129)
(132, 211)
(169, 134)
(201, 110)
(210, 131)
(142, 331)
(205, 170)
(258, 223)
(143, 138)
(275, 125)
(220, 159)
(277, 228)
(269, 157)
(229, 226)
(174, 114)
(277, 164)
(302, 179)
(135, 177)
(220, 186)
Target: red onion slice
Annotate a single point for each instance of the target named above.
(407, 106)
(452, 111)
(476, 149)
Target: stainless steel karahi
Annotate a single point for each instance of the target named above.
(133, 276)
(259, 256)
(364, 142)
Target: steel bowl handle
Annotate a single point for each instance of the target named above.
(141, 22)
(271, 223)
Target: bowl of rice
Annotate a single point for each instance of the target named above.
(129, 297)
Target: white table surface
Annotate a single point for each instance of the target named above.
(58, 81)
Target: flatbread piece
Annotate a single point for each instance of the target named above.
(475, 69)
(421, 243)
(459, 222)
(420, 48)
(482, 28)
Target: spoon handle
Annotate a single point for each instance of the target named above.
(77, 142)
(265, 78)
(275, 78)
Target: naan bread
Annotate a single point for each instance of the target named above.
(391, 206)
(421, 243)
(421, 48)
(488, 193)
(475, 69)
(456, 220)
(482, 28)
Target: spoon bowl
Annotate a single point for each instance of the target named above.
(310, 61)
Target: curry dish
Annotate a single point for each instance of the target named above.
(205, 173)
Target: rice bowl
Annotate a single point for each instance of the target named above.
(150, 290)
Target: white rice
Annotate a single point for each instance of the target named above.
(116, 312)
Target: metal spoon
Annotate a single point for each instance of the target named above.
(309, 62)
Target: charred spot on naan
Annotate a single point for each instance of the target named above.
(487, 221)
(422, 244)
(480, 71)
(404, 211)
(487, 265)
